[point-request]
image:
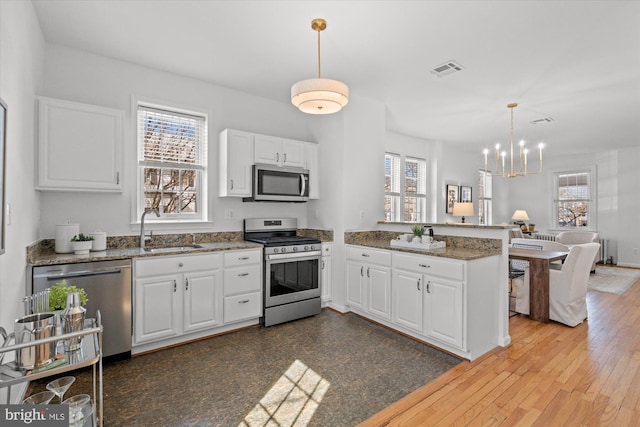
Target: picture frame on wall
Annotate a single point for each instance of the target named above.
(465, 194)
(3, 143)
(452, 197)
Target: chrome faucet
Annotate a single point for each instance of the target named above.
(144, 238)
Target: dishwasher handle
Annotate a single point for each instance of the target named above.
(82, 273)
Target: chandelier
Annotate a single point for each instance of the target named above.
(319, 96)
(501, 156)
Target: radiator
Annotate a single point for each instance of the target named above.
(604, 244)
(549, 237)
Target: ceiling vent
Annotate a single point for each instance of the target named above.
(447, 68)
(542, 120)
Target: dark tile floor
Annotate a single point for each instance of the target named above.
(333, 369)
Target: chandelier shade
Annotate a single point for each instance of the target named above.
(319, 96)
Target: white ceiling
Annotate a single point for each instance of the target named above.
(577, 62)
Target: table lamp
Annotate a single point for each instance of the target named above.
(463, 209)
(520, 216)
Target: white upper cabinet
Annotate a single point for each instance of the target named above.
(80, 147)
(279, 151)
(235, 161)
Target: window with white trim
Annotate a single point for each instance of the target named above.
(573, 204)
(172, 162)
(405, 198)
(485, 190)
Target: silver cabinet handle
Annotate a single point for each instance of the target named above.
(362, 271)
(424, 265)
(231, 185)
(180, 264)
(244, 301)
(428, 290)
(243, 274)
(303, 185)
(284, 160)
(322, 265)
(366, 255)
(117, 177)
(175, 286)
(186, 282)
(368, 271)
(243, 258)
(277, 157)
(418, 284)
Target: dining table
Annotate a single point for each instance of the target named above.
(539, 262)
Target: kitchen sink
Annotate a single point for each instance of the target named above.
(173, 249)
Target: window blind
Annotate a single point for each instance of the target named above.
(171, 139)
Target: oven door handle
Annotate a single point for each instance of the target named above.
(294, 256)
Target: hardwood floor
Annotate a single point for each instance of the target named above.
(551, 375)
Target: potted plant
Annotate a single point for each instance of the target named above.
(58, 295)
(81, 244)
(417, 231)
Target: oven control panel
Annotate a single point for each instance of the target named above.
(291, 249)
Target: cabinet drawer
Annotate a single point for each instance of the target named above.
(359, 253)
(242, 307)
(326, 249)
(242, 279)
(161, 265)
(429, 265)
(235, 258)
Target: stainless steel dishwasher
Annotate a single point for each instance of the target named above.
(108, 288)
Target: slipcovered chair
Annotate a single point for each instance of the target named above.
(579, 237)
(567, 286)
(520, 285)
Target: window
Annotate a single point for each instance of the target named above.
(573, 199)
(485, 190)
(405, 189)
(172, 163)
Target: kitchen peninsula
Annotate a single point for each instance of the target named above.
(453, 298)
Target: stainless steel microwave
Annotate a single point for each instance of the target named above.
(279, 184)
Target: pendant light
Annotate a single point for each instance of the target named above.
(501, 156)
(319, 96)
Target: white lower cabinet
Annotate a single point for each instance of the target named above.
(443, 311)
(408, 304)
(177, 298)
(176, 295)
(369, 281)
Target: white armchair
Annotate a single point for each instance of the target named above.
(567, 286)
(578, 238)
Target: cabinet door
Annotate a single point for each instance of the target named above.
(202, 300)
(355, 284)
(157, 308)
(293, 153)
(379, 291)
(267, 150)
(313, 167)
(325, 279)
(235, 163)
(407, 299)
(80, 147)
(443, 308)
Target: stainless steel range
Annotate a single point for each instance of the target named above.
(291, 267)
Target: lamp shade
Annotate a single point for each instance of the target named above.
(463, 209)
(319, 96)
(520, 216)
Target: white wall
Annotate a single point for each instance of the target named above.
(21, 57)
(458, 168)
(617, 195)
(83, 77)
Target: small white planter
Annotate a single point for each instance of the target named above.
(81, 248)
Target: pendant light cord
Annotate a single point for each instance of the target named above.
(318, 53)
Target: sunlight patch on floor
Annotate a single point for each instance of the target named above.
(291, 401)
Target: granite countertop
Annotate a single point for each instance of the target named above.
(463, 254)
(458, 247)
(50, 257)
